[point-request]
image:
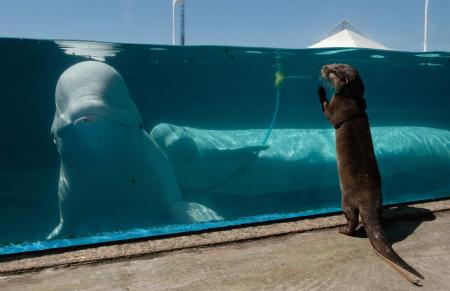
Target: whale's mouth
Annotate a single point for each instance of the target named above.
(89, 108)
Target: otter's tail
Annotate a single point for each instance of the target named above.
(384, 249)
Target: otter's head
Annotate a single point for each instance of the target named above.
(345, 79)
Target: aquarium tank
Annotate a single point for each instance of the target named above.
(108, 141)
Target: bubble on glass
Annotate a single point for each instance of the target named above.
(431, 55)
(157, 49)
(430, 64)
(253, 52)
(333, 52)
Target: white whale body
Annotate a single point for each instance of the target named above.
(112, 174)
(234, 162)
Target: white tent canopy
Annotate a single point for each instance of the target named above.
(346, 35)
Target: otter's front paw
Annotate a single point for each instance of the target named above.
(322, 94)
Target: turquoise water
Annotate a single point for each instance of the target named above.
(250, 151)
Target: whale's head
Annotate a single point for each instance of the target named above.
(92, 89)
(94, 112)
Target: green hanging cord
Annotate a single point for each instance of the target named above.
(279, 77)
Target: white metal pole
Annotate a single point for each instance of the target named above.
(174, 6)
(182, 22)
(425, 28)
(174, 3)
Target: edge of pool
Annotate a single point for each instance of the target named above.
(58, 258)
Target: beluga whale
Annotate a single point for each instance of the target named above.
(233, 162)
(113, 176)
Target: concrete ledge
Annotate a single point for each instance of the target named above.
(154, 246)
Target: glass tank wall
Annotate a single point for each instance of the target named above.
(105, 141)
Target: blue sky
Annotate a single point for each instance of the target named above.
(398, 24)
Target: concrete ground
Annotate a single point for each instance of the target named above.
(315, 260)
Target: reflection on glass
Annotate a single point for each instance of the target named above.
(89, 49)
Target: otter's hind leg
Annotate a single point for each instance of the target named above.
(352, 215)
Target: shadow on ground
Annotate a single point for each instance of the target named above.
(398, 229)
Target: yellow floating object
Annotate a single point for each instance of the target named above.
(279, 77)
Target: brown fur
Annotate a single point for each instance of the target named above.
(359, 176)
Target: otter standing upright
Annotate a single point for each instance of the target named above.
(359, 176)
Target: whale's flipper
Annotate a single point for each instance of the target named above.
(247, 149)
(191, 212)
(57, 230)
(237, 152)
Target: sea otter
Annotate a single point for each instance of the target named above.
(359, 176)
